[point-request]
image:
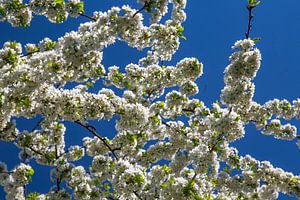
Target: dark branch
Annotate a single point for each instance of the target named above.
(177, 130)
(31, 148)
(37, 125)
(24, 186)
(166, 124)
(250, 18)
(137, 195)
(28, 54)
(251, 5)
(92, 130)
(140, 10)
(86, 16)
(6, 172)
(58, 180)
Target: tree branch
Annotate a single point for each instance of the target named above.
(86, 16)
(137, 195)
(58, 181)
(37, 125)
(250, 18)
(140, 10)
(167, 125)
(251, 5)
(92, 130)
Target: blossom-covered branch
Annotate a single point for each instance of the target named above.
(168, 144)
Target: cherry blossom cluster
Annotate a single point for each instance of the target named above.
(13, 181)
(168, 145)
(18, 13)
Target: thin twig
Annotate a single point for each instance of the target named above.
(86, 16)
(140, 10)
(93, 131)
(168, 125)
(194, 176)
(29, 147)
(37, 125)
(58, 181)
(6, 172)
(28, 54)
(250, 18)
(24, 186)
(137, 195)
(187, 110)
(35, 151)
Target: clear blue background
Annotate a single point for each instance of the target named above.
(211, 29)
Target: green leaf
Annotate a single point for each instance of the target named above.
(16, 5)
(50, 45)
(256, 39)
(2, 12)
(253, 3)
(118, 77)
(80, 7)
(23, 101)
(196, 141)
(50, 157)
(204, 113)
(294, 181)
(54, 66)
(155, 119)
(32, 196)
(188, 190)
(60, 18)
(106, 186)
(161, 104)
(137, 179)
(236, 161)
(58, 127)
(286, 107)
(30, 172)
(59, 3)
(180, 29)
(27, 141)
(14, 44)
(89, 84)
(166, 169)
(99, 71)
(97, 183)
(237, 118)
(11, 57)
(132, 137)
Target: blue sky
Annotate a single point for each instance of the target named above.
(211, 29)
